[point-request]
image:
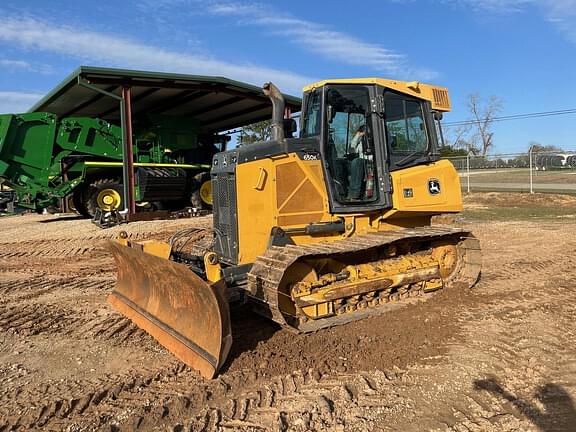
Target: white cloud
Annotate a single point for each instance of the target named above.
(15, 102)
(495, 6)
(561, 13)
(108, 50)
(321, 40)
(15, 64)
(22, 65)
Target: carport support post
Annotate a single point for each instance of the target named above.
(128, 151)
(530, 159)
(468, 172)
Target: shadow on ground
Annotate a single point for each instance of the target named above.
(248, 330)
(558, 415)
(63, 218)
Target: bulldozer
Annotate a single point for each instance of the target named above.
(315, 231)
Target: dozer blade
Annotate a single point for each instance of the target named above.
(184, 313)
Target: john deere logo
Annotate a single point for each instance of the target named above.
(434, 186)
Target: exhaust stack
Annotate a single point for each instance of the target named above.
(277, 99)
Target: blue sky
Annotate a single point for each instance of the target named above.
(522, 51)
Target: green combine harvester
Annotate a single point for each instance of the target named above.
(45, 159)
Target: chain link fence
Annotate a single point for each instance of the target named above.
(547, 172)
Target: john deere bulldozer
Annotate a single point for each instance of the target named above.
(314, 231)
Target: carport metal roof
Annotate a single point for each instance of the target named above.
(217, 103)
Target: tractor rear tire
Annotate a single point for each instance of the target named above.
(79, 202)
(201, 197)
(105, 194)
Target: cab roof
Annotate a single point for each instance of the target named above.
(436, 95)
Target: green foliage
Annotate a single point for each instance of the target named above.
(450, 151)
(256, 132)
(521, 161)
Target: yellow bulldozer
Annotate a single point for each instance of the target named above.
(314, 231)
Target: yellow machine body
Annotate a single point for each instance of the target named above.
(291, 193)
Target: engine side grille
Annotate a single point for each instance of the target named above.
(225, 213)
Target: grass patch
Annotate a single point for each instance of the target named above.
(518, 206)
(519, 175)
(519, 213)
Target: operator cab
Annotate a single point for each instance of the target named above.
(367, 131)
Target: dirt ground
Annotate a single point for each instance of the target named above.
(500, 357)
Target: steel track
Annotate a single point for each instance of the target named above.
(267, 272)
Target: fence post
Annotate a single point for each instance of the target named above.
(468, 172)
(530, 158)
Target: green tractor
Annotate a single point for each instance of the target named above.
(44, 160)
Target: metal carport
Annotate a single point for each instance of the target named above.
(117, 95)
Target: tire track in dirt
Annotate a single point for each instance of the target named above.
(46, 309)
(60, 402)
(297, 401)
(238, 400)
(30, 307)
(520, 268)
(62, 248)
(32, 319)
(20, 288)
(528, 259)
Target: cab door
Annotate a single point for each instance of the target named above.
(354, 150)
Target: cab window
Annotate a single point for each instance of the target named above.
(311, 119)
(405, 129)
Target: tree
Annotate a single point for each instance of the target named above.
(483, 113)
(539, 148)
(520, 161)
(256, 132)
(458, 139)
